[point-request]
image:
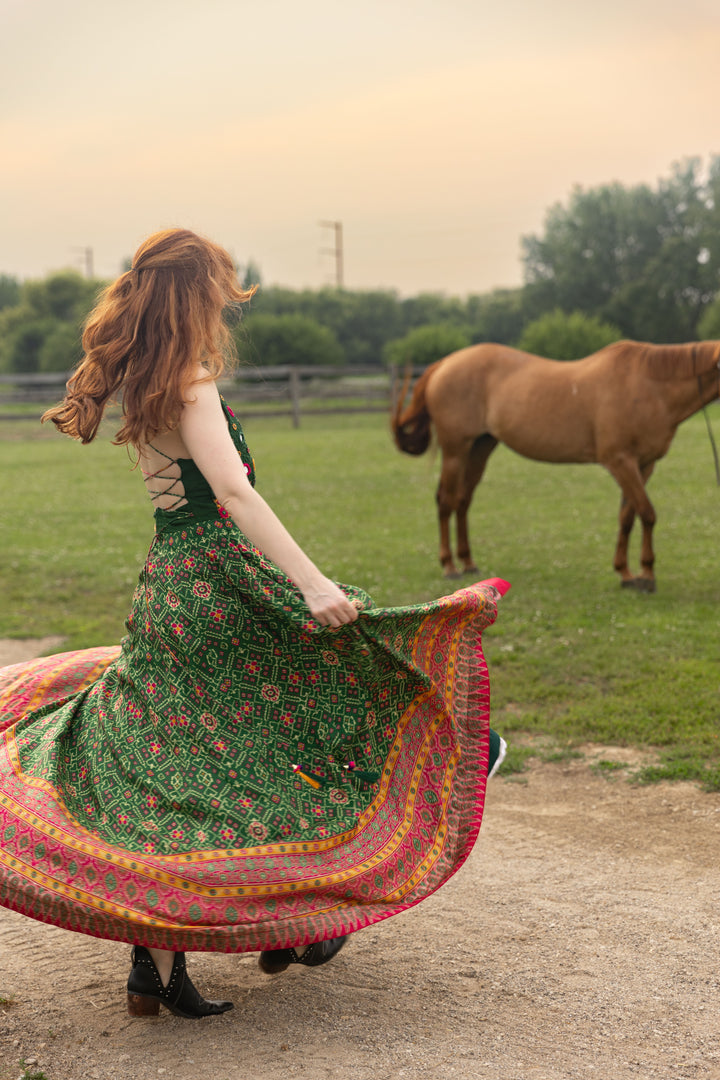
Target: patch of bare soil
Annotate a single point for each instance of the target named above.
(580, 940)
(16, 650)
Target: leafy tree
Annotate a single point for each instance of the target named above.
(363, 324)
(65, 295)
(286, 339)
(361, 321)
(646, 260)
(9, 291)
(278, 300)
(26, 344)
(426, 344)
(11, 320)
(41, 332)
(62, 348)
(709, 326)
(250, 274)
(433, 308)
(567, 337)
(602, 239)
(497, 316)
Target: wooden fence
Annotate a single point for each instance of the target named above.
(270, 391)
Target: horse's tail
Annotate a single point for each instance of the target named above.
(411, 424)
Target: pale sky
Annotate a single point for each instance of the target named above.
(438, 131)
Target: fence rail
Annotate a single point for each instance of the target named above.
(270, 391)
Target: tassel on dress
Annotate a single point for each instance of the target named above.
(313, 781)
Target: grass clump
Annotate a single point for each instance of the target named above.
(608, 766)
(32, 1072)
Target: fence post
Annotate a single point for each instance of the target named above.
(294, 386)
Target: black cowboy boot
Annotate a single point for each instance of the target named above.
(273, 961)
(146, 992)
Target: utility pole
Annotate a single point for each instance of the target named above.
(87, 254)
(336, 251)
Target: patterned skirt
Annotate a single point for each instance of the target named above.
(234, 777)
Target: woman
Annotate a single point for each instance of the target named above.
(268, 763)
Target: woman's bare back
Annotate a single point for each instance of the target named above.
(162, 473)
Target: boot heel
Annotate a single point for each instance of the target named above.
(142, 1006)
(146, 992)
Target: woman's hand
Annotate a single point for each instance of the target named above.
(328, 604)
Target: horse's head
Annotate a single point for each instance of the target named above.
(411, 423)
(413, 435)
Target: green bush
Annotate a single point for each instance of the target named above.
(567, 337)
(273, 340)
(426, 344)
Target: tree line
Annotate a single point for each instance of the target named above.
(613, 261)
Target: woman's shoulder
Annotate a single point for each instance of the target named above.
(201, 388)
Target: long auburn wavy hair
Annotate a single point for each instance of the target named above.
(147, 334)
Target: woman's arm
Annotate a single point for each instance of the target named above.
(203, 429)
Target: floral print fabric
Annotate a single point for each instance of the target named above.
(235, 776)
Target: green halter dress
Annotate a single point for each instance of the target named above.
(235, 777)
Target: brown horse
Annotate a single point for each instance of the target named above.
(619, 407)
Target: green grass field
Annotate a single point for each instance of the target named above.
(573, 658)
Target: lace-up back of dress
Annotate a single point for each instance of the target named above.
(165, 484)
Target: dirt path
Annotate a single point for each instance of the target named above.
(580, 940)
(15, 650)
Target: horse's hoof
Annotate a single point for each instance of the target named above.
(452, 574)
(470, 569)
(640, 584)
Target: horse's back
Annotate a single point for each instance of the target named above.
(544, 409)
(468, 370)
(489, 359)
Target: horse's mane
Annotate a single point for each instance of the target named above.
(665, 362)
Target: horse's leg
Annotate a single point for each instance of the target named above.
(447, 503)
(620, 561)
(646, 581)
(477, 459)
(635, 500)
